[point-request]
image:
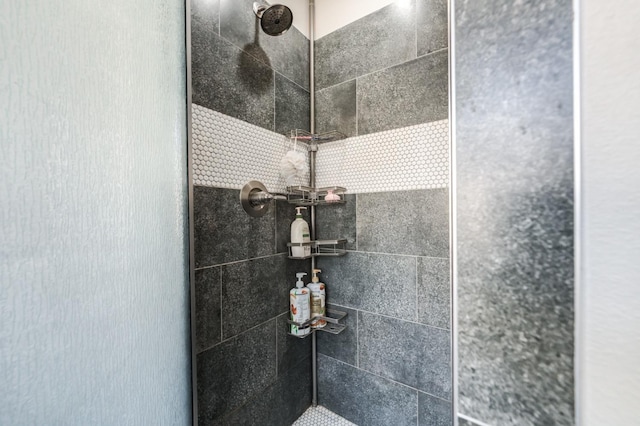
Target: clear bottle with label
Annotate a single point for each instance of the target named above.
(299, 306)
(318, 300)
(300, 234)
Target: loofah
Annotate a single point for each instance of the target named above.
(293, 166)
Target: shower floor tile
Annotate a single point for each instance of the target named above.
(320, 416)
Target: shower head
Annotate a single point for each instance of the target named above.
(275, 20)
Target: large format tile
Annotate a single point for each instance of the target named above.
(287, 53)
(363, 398)
(291, 350)
(252, 292)
(208, 299)
(292, 106)
(432, 25)
(381, 39)
(414, 354)
(228, 80)
(343, 346)
(411, 93)
(515, 211)
(224, 232)
(405, 222)
(280, 404)
(434, 292)
(205, 18)
(433, 411)
(336, 109)
(233, 372)
(465, 422)
(338, 221)
(380, 283)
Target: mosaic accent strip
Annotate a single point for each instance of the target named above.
(228, 153)
(414, 157)
(320, 416)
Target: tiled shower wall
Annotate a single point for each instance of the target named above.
(515, 211)
(248, 90)
(383, 81)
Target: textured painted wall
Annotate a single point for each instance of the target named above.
(610, 294)
(94, 304)
(514, 169)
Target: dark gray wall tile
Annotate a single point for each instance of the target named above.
(224, 232)
(252, 292)
(433, 411)
(381, 39)
(343, 346)
(411, 93)
(364, 398)
(285, 215)
(230, 81)
(205, 18)
(432, 24)
(234, 371)
(280, 404)
(434, 292)
(384, 284)
(414, 354)
(208, 299)
(292, 106)
(336, 109)
(288, 53)
(291, 350)
(405, 222)
(338, 221)
(515, 211)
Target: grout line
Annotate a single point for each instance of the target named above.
(417, 408)
(285, 77)
(396, 254)
(472, 420)
(237, 335)
(389, 316)
(385, 69)
(239, 261)
(391, 380)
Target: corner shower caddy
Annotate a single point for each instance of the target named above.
(255, 199)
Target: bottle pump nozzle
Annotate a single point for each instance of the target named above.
(315, 278)
(298, 213)
(299, 283)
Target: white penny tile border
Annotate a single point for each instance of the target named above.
(415, 157)
(227, 153)
(320, 416)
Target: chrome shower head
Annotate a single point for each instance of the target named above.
(275, 20)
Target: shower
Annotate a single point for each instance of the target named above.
(275, 20)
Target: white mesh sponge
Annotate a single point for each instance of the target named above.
(293, 166)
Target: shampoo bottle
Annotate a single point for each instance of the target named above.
(299, 306)
(300, 234)
(318, 300)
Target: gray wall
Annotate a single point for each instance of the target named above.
(94, 310)
(514, 136)
(248, 370)
(392, 363)
(609, 302)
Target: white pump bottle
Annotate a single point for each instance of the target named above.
(299, 306)
(300, 234)
(318, 300)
